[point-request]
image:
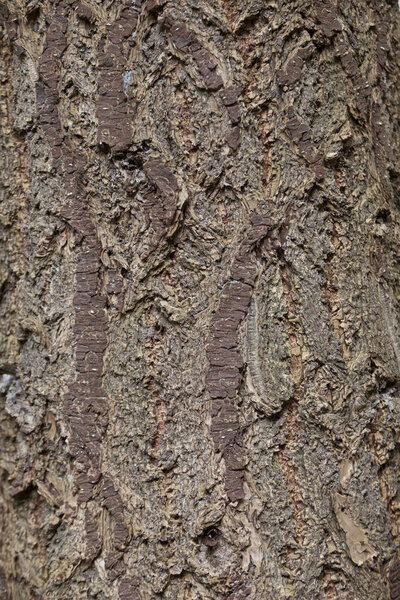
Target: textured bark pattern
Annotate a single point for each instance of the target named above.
(199, 333)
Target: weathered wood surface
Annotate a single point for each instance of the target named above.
(199, 334)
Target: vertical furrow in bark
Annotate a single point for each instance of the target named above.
(85, 404)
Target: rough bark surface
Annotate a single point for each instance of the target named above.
(199, 335)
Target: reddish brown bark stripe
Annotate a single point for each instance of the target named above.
(225, 361)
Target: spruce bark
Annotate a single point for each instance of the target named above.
(200, 287)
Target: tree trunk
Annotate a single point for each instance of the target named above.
(199, 335)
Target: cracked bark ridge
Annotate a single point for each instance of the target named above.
(225, 360)
(114, 564)
(230, 96)
(350, 65)
(384, 50)
(85, 12)
(85, 403)
(93, 541)
(294, 66)
(326, 14)
(47, 87)
(331, 26)
(300, 133)
(10, 18)
(112, 501)
(160, 202)
(115, 130)
(394, 579)
(128, 589)
(187, 42)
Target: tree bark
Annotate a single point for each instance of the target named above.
(200, 355)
